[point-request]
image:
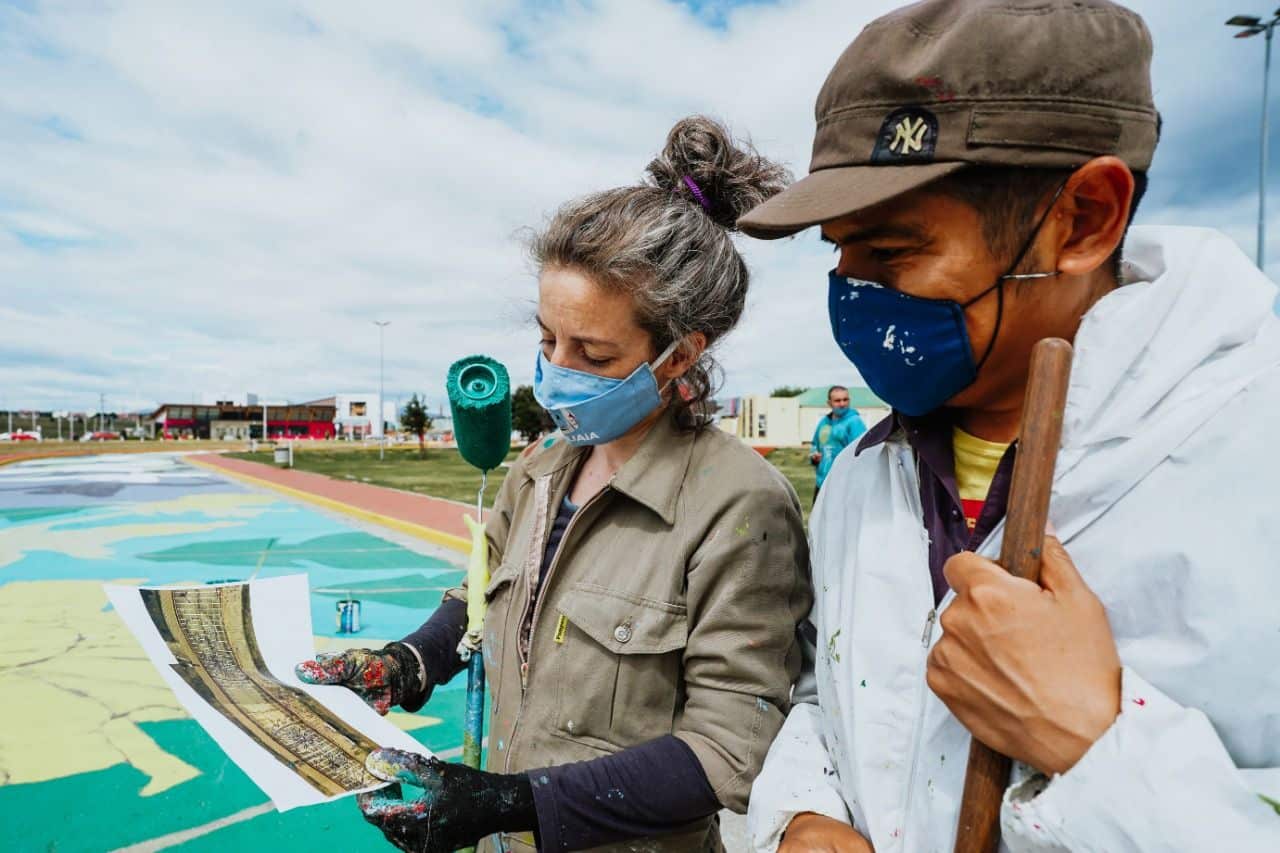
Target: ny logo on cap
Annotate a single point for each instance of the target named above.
(908, 134)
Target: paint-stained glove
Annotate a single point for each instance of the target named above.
(456, 807)
(384, 678)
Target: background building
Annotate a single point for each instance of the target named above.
(813, 405)
(227, 421)
(356, 414)
(764, 421)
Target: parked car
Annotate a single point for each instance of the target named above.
(19, 436)
(101, 436)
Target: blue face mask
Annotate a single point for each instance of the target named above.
(914, 353)
(592, 409)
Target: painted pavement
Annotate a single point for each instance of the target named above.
(95, 753)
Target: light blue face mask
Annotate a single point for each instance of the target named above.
(592, 409)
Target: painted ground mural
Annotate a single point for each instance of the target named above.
(95, 752)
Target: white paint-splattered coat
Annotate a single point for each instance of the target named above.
(1166, 497)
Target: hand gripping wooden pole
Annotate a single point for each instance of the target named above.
(987, 774)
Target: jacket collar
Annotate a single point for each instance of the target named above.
(652, 477)
(655, 474)
(929, 436)
(879, 432)
(551, 454)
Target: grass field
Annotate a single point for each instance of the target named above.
(441, 473)
(794, 464)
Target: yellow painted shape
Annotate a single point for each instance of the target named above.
(430, 534)
(411, 722)
(164, 770)
(76, 684)
(215, 504)
(350, 641)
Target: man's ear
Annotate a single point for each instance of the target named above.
(1095, 214)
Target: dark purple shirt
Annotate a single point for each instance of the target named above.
(930, 439)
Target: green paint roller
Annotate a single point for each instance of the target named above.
(480, 398)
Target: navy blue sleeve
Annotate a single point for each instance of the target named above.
(437, 642)
(647, 790)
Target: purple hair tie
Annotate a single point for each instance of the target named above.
(697, 193)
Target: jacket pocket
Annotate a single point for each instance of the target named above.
(620, 663)
(503, 576)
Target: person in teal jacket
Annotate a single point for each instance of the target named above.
(837, 430)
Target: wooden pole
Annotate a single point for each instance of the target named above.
(1040, 433)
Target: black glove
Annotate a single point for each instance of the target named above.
(456, 808)
(387, 677)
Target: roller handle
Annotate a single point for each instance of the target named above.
(987, 774)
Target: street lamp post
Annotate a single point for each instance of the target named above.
(1253, 26)
(382, 423)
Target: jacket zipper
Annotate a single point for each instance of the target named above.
(533, 625)
(926, 638)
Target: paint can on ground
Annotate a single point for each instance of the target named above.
(348, 616)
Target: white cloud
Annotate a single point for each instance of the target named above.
(220, 196)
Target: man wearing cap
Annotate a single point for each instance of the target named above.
(976, 165)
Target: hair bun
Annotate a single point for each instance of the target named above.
(732, 177)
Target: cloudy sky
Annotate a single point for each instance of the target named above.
(223, 197)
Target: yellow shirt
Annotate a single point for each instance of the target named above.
(976, 461)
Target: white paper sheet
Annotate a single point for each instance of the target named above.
(281, 622)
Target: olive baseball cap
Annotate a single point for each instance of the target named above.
(943, 84)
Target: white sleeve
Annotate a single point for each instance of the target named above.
(1158, 780)
(798, 776)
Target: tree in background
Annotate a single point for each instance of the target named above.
(414, 418)
(788, 391)
(527, 417)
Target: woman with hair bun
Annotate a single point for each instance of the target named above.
(651, 571)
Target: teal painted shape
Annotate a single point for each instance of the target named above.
(23, 514)
(336, 826)
(102, 810)
(353, 550)
(414, 591)
(336, 823)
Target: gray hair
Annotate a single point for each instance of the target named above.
(669, 246)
